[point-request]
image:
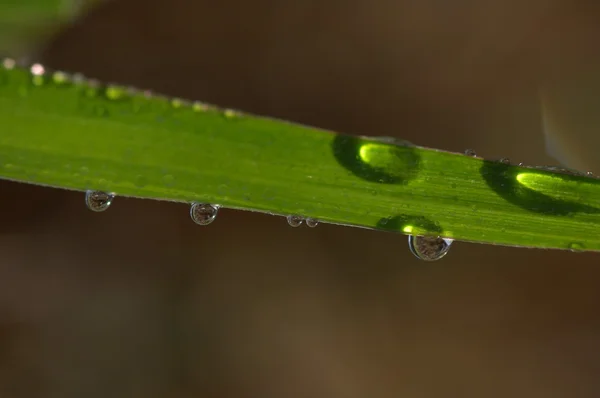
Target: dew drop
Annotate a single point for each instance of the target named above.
(504, 161)
(177, 103)
(203, 213)
(295, 221)
(311, 222)
(97, 200)
(200, 107)
(576, 247)
(8, 63)
(60, 77)
(168, 180)
(141, 181)
(37, 69)
(115, 92)
(230, 113)
(470, 152)
(429, 248)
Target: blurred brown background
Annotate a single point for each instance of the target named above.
(140, 302)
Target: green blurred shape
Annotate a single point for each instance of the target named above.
(25, 24)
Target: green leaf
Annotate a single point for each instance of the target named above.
(67, 132)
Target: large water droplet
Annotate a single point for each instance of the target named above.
(429, 248)
(311, 222)
(295, 221)
(203, 213)
(97, 200)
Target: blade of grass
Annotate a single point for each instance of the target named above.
(75, 134)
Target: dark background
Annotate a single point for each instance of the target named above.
(141, 302)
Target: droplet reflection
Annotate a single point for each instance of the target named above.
(203, 213)
(98, 201)
(295, 221)
(311, 222)
(429, 248)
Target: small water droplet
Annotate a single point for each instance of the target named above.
(504, 161)
(37, 69)
(589, 174)
(295, 221)
(576, 247)
(115, 92)
(311, 222)
(141, 181)
(177, 103)
(8, 63)
(521, 164)
(429, 248)
(200, 107)
(230, 113)
(168, 180)
(60, 77)
(203, 213)
(97, 200)
(470, 152)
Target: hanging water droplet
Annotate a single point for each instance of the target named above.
(470, 152)
(203, 213)
(295, 221)
(311, 222)
(576, 247)
(429, 248)
(97, 200)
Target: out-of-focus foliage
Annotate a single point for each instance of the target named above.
(25, 24)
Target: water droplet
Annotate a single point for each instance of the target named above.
(203, 213)
(504, 161)
(200, 107)
(115, 92)
(470, 152)
(589, 174)
(295, 221)
(576, 247)
(37, 69)
(8, 63)
(429, 248)
(141, 181)
(98, 201)
(177, 103)
(230, 113)
(521, 164)
(168, 180)
(60, 77)
(311, 222)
